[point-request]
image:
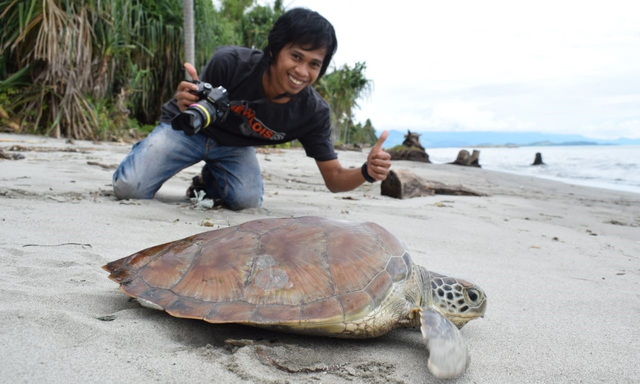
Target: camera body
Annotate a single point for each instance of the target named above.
(213, 104)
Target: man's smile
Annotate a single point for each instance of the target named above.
(295, 81)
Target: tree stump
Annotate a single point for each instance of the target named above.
(411, 149)
(412, 139)
(404, 184)
(474, 161)
(538, 159)
(411, 154)
(464, 158)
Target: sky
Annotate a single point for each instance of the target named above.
(561, 66)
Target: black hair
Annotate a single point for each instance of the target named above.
(305, 28)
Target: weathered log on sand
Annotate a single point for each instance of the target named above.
(464, 158)
(538, 159)
(349, 147)
(10, 156)
(404, 184)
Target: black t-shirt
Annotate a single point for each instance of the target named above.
(305, 117)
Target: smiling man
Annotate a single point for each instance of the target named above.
(271, 102)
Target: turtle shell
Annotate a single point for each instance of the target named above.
(269, 272)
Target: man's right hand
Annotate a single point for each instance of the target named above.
(184, 96)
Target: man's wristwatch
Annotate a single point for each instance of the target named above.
(365, 173)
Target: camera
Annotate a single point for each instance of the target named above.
(213, 104)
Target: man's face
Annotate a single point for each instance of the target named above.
(294, 69)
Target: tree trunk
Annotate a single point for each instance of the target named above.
(538, 159)
(189, 34)
(464, 158)
(475, 158)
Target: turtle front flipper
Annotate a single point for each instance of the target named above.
(448, 355)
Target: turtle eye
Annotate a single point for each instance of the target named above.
(473, 295)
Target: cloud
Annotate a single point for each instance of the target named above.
(448, 115)
(629, 129)
(551, 66)
(464, 116)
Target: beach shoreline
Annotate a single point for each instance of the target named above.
(560, 264)
(612, 167)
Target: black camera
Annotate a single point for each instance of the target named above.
(213, 104)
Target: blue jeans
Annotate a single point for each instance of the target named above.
(231, 173)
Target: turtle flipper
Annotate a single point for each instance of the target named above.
(448, 355)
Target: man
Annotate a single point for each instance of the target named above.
(272, 101)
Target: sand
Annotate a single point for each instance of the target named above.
(560, 265)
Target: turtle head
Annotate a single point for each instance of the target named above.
(458, 300)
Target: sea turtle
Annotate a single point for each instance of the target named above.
(308, 275)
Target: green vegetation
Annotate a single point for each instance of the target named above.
(342, 88)
(101, 69)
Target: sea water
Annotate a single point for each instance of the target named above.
(601, 166)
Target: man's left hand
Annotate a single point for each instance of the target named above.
(379, 161)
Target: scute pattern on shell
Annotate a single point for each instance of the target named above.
(270, 271)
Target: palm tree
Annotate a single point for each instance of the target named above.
(342, 88)
(75, 66)
(362, 134)
(256, 24)
(92, 69)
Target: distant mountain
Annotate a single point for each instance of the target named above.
(484, 139)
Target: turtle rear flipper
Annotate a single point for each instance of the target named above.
(448, 355)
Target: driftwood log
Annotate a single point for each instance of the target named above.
(471, 160)
(10, 156)
(349, 147)
(538, 159)
(404, 184)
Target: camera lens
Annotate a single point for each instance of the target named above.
(194, 118)
(188, 121)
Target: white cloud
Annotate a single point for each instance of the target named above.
(448, 115)
(463, 116)
(549, 63)
(629, 129)
(454, 115)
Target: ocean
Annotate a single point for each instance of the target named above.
(602, 166)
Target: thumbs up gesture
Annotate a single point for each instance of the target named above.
(379, 161)
(184, 95)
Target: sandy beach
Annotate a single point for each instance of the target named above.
(560, 265)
